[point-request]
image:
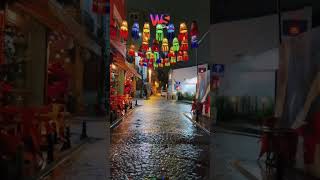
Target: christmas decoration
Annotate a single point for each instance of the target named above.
(146, 31)
(165, 46)
(159, 32)
(124, 30)
(194, 42)
(161, 64)
(156, 56)
(145, 44)
(149, 53)
(183, 32)
(185, 56)
(172, 56)
(180, 56)
(155, 45)
(194, 29)
(135, 32)
(175, 45)
(170, 32)
(131, 51)
(166, 61)
(184, 44)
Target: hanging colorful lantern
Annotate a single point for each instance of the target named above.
(155, 65)
(165, 46)
(159, 32)
(156, 55)
(183, 32)
(161, 64)
(194, 33)
(166, 61)
(131, 51)
(141, 62)
(141, 54)
(155, 45)
(194, 29)
(185, 56)
(175, 45)
(124, 30)
(145, 62)
(180, 56)
(194, 42)
(149, 53)
(145, 44)
(172, 56)
(170, 32)
(135, 32)
(146, 31)
(184, 44)
(151, 61)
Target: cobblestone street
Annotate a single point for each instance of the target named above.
(157, 140)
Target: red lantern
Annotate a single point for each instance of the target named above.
(180, 56)
(194, 29)
(155, 46)
(131, 51)
(185, 56)
(141, 62)
(183, 33)
(166, 61)
(184, 45)
(141, 54)
(145, 44)
(124, 30)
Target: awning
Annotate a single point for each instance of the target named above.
(41, 12)
(118, 46)
(51, 14)
(120, 62)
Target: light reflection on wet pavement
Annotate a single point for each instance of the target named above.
(156, 140)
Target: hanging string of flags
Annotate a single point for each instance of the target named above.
(166, 48)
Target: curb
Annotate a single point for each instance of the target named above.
(46, 171)
(236, 164)
(115, 124)
(198, 125)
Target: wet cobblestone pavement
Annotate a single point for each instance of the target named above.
(156, 140)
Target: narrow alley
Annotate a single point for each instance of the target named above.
(157, 140)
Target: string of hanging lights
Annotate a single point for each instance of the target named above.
(166, 49)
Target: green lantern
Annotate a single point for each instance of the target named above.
(175, 45)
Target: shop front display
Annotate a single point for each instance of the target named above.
(60, 53)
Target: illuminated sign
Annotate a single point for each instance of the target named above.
(159, 19)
